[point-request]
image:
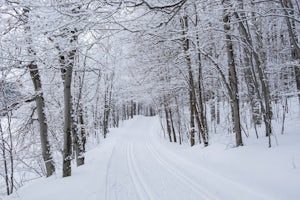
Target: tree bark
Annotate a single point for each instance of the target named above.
(201, 101)
(107, 104)
(78, 123)
(168, 124)
(67, 148)
(67, 61)
(172, 125)
(40, 105)
(3, 144)
(186, 47)
(178, 121)
(201, 106)
(233, 80)
(264, 99)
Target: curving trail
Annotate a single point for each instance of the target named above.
(141, 167)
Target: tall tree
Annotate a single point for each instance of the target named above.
(39, 99)
(233, 80)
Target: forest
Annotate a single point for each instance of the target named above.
(73, 69)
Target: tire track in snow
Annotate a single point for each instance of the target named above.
(137, 180)
(203, 195)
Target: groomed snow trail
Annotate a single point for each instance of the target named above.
(136, 163)
(142, 168)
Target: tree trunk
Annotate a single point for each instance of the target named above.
(11, 152)
(107, 104)
(218, 108)
(178, 121)
(233, 81)
(67, 148)
(40, 105)
(256, 58)
(172, 125)
(105, 119)
(201, 100)
(77, 119)
(77, 140)
(82, 128)
(186, 46)
(168, 124)
(201, 106)
(260, 61)
(132, 109)
(3, 144)
(67, 62)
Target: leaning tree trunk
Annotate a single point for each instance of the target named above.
(248, 62)
(260, 62)
(256, 59)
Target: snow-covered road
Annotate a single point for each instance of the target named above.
(136, 163)
(141, 167)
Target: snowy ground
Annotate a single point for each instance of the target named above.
(135, 163)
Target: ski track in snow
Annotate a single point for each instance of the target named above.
(136, 164)
(201, 181)
(138, 181)
(153, 172)
(186, 181)
(107, 183)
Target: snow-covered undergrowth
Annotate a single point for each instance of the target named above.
(135, 162)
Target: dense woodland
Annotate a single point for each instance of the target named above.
(71, 70)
